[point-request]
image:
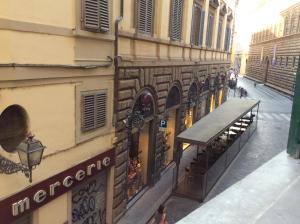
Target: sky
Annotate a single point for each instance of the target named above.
(253, 15)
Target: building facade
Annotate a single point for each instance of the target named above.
(106, 86)
(171, 71)
(274, 52)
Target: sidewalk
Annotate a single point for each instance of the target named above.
(268, 195)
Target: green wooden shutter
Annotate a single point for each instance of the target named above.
(176, 20)
(145, 16)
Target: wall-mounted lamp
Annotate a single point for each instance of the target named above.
(30, 153)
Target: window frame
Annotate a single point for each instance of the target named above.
(172, 35)
(137, 16)
(101, 28)
(96, 126)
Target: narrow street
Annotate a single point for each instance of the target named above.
(269, 140)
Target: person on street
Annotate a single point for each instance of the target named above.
(161, 216)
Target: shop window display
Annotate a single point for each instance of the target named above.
(139, 145)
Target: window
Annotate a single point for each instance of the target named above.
(293, 24)
(145, 11)
(196, 25)
(287, 61)
(209, 33)
(294, 61)
(227, 39)
(93, 111)
(176, 20)
(298, 26)
(219, 34)
(95, 15)
(286, 28)
(280, 61)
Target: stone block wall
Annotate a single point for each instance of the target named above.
(159, 80)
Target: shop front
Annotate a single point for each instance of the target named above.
(81, 190)
(140, 143)
(191, 110)
(173, 118)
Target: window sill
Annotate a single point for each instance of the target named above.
(94, 35)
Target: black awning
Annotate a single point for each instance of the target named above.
(215, 123)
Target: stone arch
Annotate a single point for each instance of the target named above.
(145, 94)
(174, 96)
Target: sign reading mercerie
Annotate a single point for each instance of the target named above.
(38, 195)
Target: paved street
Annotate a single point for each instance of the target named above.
(269, 140)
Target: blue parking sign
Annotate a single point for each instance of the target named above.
(163, 124)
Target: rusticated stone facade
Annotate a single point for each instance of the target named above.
(274, 52)
(132, 80)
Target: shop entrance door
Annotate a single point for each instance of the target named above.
(89, 201)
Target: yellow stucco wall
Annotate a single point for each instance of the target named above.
(59, 207)
(25, 47)
(51, 12)
(49, 108)
(158, 45)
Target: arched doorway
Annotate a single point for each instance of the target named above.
(140, 143)
(172, 110)
(191, 109)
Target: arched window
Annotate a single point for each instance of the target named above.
(144, 105)
(173, 98)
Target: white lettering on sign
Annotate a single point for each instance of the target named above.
(20, 206)
(41, 195)
(53, 186)
(89, 169)
(106, 161)
(68, 181)
(80, 175)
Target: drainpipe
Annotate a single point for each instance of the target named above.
(116, 61)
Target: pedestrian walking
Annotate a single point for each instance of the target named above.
(161, 216)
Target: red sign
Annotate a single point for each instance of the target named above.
(40, 194)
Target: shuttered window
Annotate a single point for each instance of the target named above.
(202, 27)
(176, 20)
(95, 15)
(219, 34)
(209, 33)
(196, 23)
(145, 11)
(227, 39)
(93, 110)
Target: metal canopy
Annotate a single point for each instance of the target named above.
(215, 123)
